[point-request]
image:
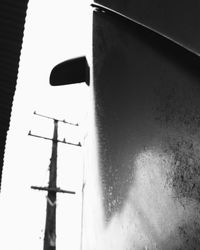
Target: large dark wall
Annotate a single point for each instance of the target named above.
(178, 19)
(12, 19)
(147, 103)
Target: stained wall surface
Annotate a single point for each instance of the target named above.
(147, 113)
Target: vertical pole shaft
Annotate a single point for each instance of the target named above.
(82, 209)
(50, 227)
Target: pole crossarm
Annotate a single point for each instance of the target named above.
(50, 139)
(54, 190)
(48, 117)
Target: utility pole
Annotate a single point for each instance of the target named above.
(52, 189)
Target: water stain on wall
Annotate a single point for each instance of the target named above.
(148, 117)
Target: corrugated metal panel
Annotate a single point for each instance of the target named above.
(12, 19)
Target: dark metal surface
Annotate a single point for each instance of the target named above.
(147, 106)
(179, 20)
(12, 18)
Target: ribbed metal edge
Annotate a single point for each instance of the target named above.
(12, 20)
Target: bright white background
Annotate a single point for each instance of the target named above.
(55, 30)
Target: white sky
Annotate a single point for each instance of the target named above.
(55, 30)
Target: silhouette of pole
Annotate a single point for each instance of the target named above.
(50, 227)
(52, 189)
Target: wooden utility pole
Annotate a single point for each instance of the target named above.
(50, 228)
(52, 189)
